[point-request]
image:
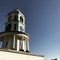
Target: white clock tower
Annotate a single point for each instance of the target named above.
(15, 42)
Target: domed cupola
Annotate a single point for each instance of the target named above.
(16, 21)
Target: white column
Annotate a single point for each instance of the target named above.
(4, 43)
(27, 45)
(23, 45)
(18, 45)
(8, 46)
(14, 42)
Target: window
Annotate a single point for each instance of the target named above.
(21, 28)
(8, 27)
(9, 18)
(21, 19)
(15, 27)
(15, 17)
(6, 44)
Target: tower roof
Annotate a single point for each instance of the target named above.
(14, 11)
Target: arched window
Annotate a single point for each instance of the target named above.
(15, 27)
(9, 18)
(15, 18)
(21, 19)
(8, 27)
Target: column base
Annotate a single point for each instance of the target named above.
(21, 50)
(13, 49)
(27, 51)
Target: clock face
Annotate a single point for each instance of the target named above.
(21, 28)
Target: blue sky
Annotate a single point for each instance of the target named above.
(42, 23)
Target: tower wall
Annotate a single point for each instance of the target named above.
(19, 56)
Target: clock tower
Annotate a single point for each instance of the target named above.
(14, 36)
(14, 40)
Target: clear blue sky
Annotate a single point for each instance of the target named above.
(42, 23)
